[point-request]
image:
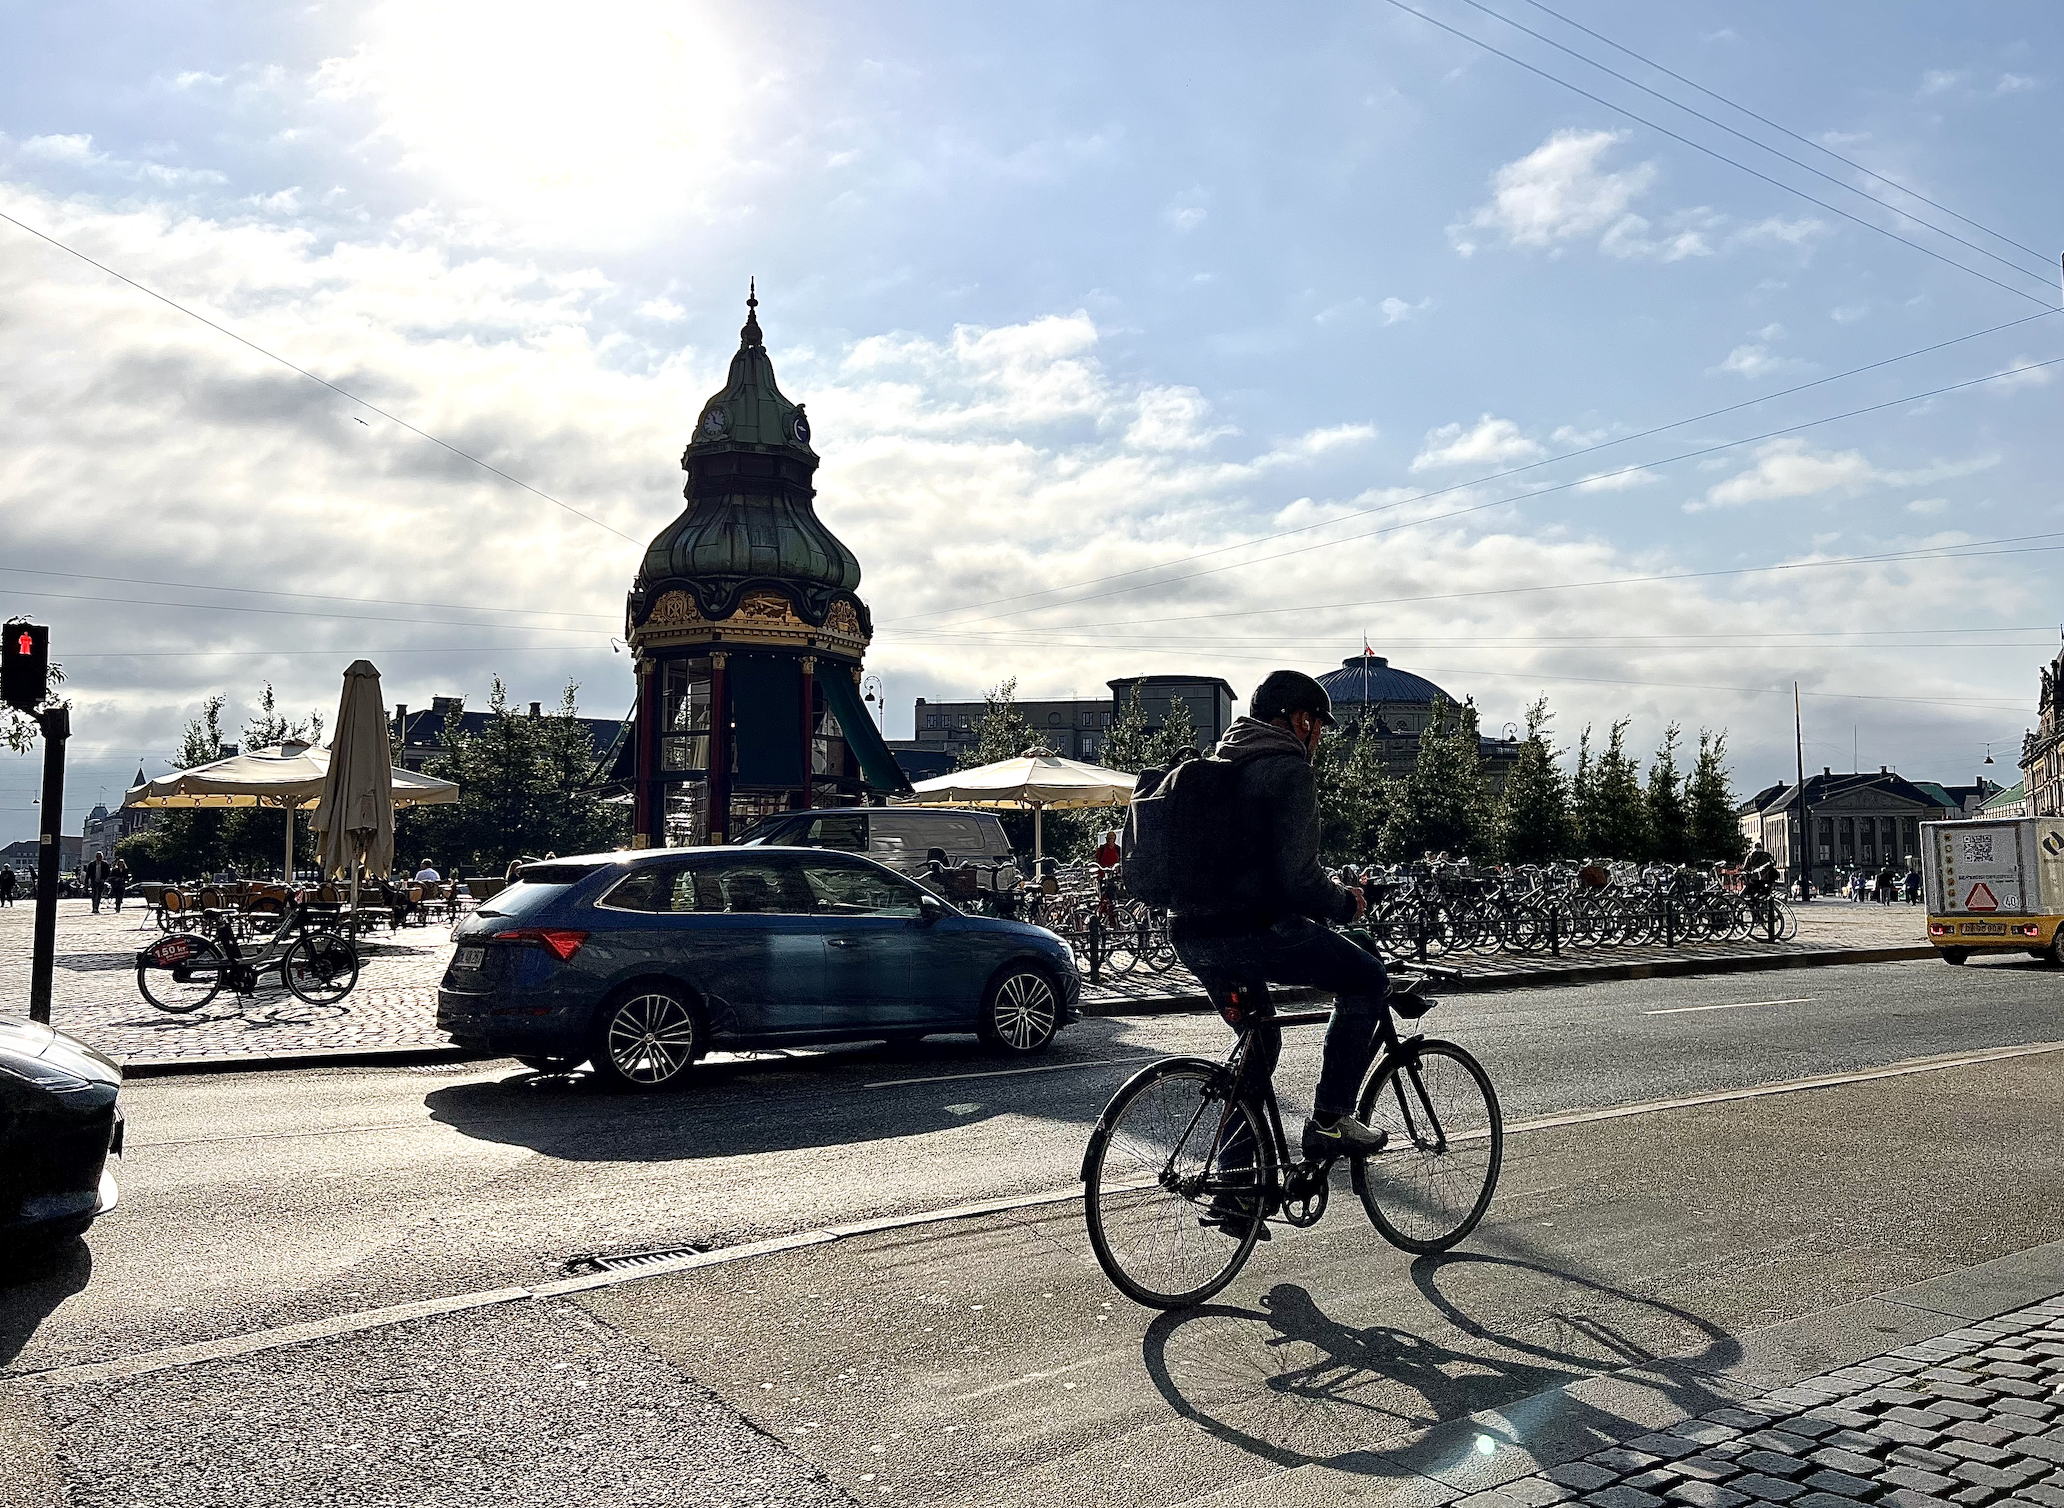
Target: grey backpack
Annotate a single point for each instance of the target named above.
(1181, 838)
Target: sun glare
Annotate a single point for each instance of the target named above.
(603, 111)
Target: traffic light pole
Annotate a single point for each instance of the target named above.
(57, 730)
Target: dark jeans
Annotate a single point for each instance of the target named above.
(1298, 951)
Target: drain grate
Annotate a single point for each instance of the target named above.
(635, 1257)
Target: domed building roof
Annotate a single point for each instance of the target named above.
(1369, 679)
(749, 519)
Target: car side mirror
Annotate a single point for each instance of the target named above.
(930, 908)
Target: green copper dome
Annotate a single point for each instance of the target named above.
(750, 519)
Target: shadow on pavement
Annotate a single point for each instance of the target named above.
(1290, 1384)
(33, 1283)
(734, 1104)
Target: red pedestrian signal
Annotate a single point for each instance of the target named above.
(24, 665)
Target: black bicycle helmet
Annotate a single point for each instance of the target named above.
(1288, 691)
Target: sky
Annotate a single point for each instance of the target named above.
(1136, 340)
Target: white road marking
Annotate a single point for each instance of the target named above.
(371, 1319)
(1685, 1010)
(1004, 1073)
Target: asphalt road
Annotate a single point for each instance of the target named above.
(261, 1199)
(986, 1360)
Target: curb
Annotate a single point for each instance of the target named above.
(327, 1057)
(1529, 979)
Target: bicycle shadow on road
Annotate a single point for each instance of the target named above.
(35, 1287)
(1291, 1384)
(785, 1102)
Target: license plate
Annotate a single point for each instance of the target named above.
(470, 958)
(1983, 929)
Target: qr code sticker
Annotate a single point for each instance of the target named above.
(1978, 848)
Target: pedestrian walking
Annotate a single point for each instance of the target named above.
(96, 878)
(1913, 887)
(7, 884)
(118, 882)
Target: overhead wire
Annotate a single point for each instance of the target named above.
(1696, 146)
(2043, 277)
(341, 392)
(1510, 471)
(1965, 550)
(1821, 147)
(1539, 492)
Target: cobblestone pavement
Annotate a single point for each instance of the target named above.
(394, 1006)
(1971, 1419)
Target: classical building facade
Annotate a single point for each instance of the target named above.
(748, 632)
(2042, 751)
(1858, 820)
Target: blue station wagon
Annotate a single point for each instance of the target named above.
(641, 962)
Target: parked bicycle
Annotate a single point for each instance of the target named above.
(1188, 1163)
(183, 971)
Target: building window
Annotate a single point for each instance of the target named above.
(931, 720)
(685, 716)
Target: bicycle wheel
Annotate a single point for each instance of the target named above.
(1157, 1170)
(180, 974)
(320, 967)
(1430, 1186)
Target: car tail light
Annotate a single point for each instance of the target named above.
(2033, 929)
(1940, 929)
(563, 941)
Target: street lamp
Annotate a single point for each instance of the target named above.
(872, 693)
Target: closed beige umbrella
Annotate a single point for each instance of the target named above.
(354, 820)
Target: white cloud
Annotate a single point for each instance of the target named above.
(2015, 83)
(1942, 80)
(1848, 314)
(1618, 481)
(1557, 193)
(2022, 372)
(1172, 418)
(1684, 234)
(1397, 311)
(1754, 361)
(1928, 505)
(68, 148)
(1789, 468)
(1489, 442)
(662, 308)
(1779, 231)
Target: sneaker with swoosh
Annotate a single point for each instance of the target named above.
(1343, 1136)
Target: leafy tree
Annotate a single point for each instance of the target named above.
(187, 841)
(1618, 818)
(1129, 746)
(1441, 807)
(1534, 824)
(1003, 733)
(1714, 832)
(1355, 794)
(1669, 837)
(19, 728)
(1178, 732)
(268, 726)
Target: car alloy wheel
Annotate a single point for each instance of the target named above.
(648, 1039)
(1023, 1012)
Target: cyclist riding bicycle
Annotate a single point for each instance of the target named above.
(1267, 922)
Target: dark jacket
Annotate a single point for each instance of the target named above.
(1278, 821)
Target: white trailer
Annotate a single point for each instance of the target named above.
(1994, 883)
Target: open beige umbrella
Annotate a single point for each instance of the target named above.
(1036, 781)
(288, 776)
(354, 820)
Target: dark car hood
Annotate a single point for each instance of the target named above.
(31, 1039)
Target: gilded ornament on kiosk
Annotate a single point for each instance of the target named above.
(766, 607)
(842, 619)
(673, 609)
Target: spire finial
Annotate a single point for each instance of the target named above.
(749, 335)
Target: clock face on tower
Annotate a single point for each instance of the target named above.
(715, 421)
(800, 428)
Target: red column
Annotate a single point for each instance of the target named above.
(719, 752)
(647, 811)
(809, 663)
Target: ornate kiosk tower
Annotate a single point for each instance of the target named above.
(747, 632)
